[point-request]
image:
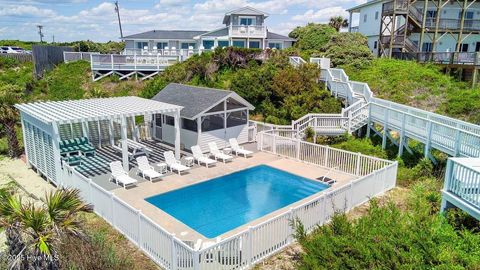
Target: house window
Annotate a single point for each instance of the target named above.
(254, 44)
(375, 44)
(239, 43)
(142, 45)
(237, 118)
(189, 124)
(223, 43)
(186, 45)
(275, 45)
(427, 47)
(464, 47)
(376, 15)
(158, 120)
(365, 18)
(169, 120)
(247, 20)
(208, 44)
(212, 122)
(162, 45)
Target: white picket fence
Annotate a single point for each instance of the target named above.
(248, 247)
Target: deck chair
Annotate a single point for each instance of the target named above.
(200, 157)
(238, 149)
(173, 163)
(146, 170)
(217, 154)
(119, 175)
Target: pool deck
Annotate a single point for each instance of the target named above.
(135, 196)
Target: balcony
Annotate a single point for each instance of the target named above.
(452, 24)
(248, 31)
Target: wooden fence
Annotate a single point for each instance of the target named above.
(45, 58)
(21, 57)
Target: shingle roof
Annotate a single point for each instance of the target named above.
(194, 99)
(166, 34)
(271, 35)
(217, 33)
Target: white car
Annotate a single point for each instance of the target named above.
(11, 49)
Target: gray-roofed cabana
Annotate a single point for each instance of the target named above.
(49, 127)
(208, 115)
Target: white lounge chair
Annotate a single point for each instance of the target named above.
(147, 170)
(173, 163)
(238, 149)
(200, 157)
(217, 154)
(119, 175)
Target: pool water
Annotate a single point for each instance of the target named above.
(221, 204)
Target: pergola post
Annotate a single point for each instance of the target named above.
(177, 134)
(123, 131)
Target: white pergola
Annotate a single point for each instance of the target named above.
(48, 116)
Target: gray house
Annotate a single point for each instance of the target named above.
(208, 115)
(243, 28)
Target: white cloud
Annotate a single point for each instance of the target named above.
(26, 11)
(100, 23)
(321, 15)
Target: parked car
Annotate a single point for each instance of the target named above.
(12, 49)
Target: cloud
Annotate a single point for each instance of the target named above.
(32, 11)
(321, 15)
(69, 21)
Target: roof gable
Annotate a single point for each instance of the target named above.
(246, 11)
(195, 100)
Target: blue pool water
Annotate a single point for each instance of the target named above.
(219, 205)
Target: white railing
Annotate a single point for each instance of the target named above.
(256, 243)
(75, 56)
(132, 62)
(463, 181)
(161, 246)
(296, 61)
(184, 53)
(248, 30)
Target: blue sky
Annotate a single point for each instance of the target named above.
(72, 20)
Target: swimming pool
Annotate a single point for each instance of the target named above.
(221, 204)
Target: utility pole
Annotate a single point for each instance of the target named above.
(117, 9)
(53, 38)
(40, 27)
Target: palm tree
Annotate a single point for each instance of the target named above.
(338, 22)
(9, 95)
(40, 228)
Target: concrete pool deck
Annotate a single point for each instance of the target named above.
(136, 196)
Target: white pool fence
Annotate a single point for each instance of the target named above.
(254, 244)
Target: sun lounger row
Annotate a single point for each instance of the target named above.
(147, 171)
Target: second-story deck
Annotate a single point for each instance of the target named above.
(443, 58)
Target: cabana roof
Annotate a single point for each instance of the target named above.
(94, 109)
(196, 100)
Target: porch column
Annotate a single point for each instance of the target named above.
(123, 131)
(350, 21)
(225, 122)
(177, 134)
(199, 129)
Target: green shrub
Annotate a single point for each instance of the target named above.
(390, 238)
(67, 81)
(364, 146)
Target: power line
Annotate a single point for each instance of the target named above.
(119, 21)
(40, 27)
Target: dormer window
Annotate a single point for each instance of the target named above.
(244, 20)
